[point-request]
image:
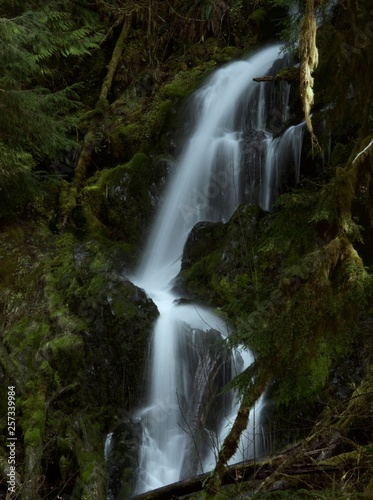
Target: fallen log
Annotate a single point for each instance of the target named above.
(266, 78)
(289, 75)
(244, 471)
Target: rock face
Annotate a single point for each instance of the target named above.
(216, 253)
(113, 318)
(118, 318)
(122, 458)
(78, 343)
(119, 203)
(252, 151)
(203, 237)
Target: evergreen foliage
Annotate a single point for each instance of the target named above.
(37, 117)
(17, 184)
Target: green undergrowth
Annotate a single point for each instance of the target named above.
(74, 345)
(293, 281)
(146, 127)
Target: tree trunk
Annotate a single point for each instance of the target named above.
(245, 471)
(11, 370)
(309, 61)
(90, 137)
(231, 442)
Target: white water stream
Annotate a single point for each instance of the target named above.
(186, 417)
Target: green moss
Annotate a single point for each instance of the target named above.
(32, 437)
(46, 368)
(258, 17)
(160, 119)
(65, 343)
(67, 197)
(185, 82)
(116, 203)
(126, 139)
(33, 414)
(92, 468)
(226, 54)
(368, 492)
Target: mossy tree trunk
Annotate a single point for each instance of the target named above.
(33, 425)
(231, 442)
(309, 61)
(11, 369)
(90, 137)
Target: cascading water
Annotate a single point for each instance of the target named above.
(236, 154)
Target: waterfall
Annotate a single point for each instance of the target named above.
(237, 153)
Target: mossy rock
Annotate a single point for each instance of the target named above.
(185, 82)
(119, 203)
(216, 258)
(258, 17)
(227, 54)
(116, 342)
(125, 140)
(115, 321)
(123, 458)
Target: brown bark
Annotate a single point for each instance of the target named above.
(89, 140)
(266, 78)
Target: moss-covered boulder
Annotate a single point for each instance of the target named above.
(119, 203)
(74, 346)
(115, 318)
(216, 261)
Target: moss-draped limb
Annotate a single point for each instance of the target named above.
(231, 442)
(89, 141)
(309, 60)
(90, 137)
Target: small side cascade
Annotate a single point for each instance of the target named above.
(238, 152)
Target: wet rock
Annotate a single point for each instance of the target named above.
(216, 253)
(203, 236)
(253, 149)
(122, 458)
(115, 316)
(120, 203)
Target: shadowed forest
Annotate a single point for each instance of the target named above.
(94, 102)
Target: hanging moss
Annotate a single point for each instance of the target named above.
(309, 57)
